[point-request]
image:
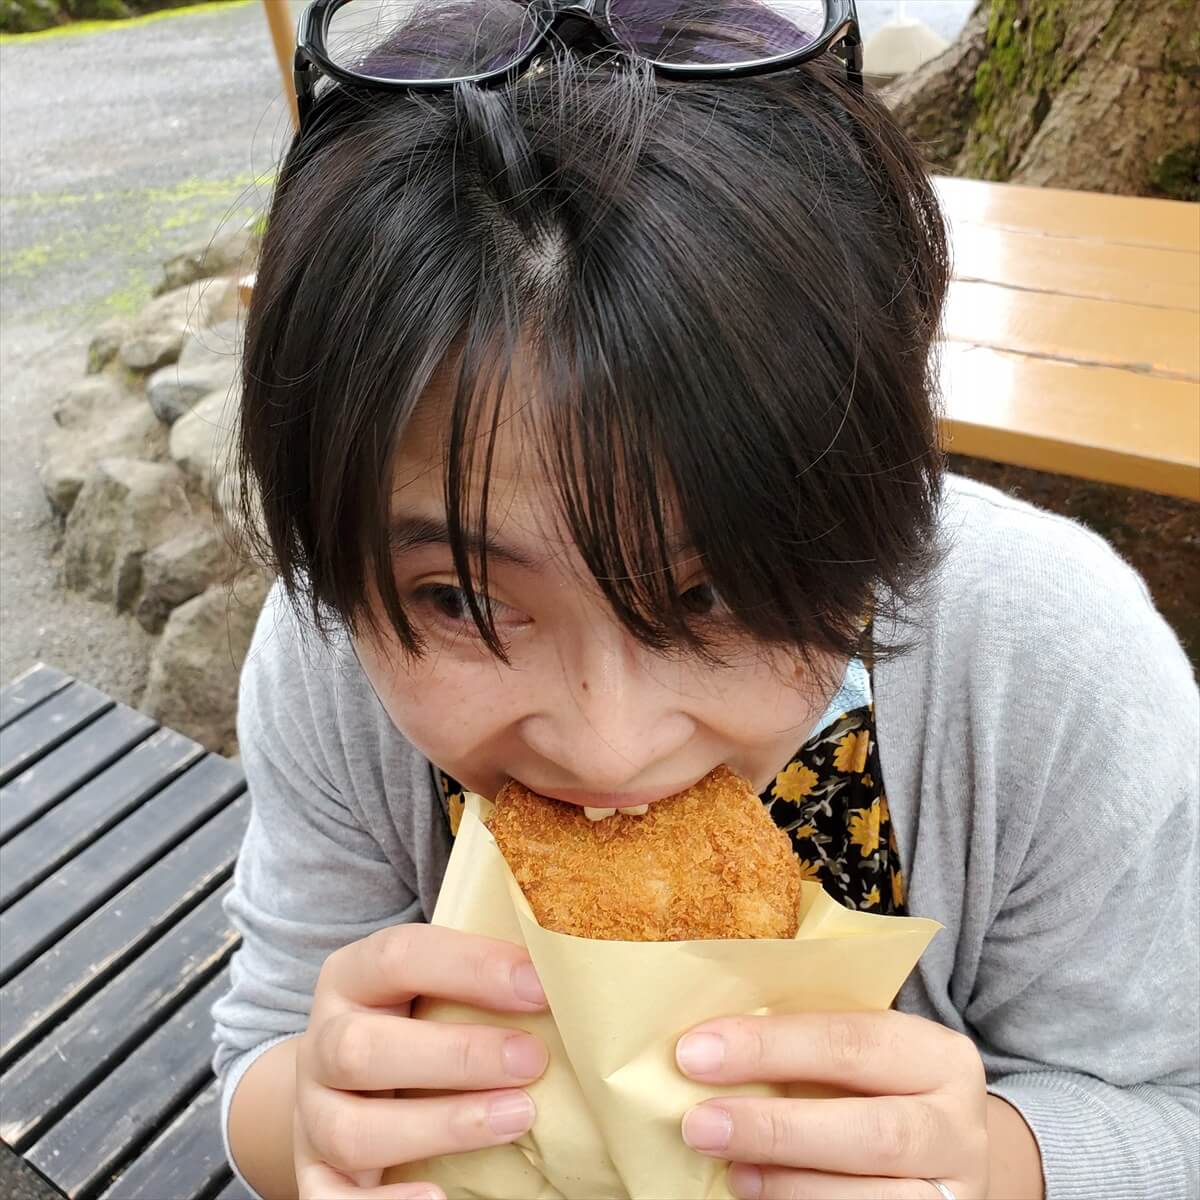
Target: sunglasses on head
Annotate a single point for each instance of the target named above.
(423, 45)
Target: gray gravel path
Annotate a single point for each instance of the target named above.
(116, 149)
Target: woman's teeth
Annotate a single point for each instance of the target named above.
(598, 814)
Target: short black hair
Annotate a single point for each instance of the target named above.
(730, 293)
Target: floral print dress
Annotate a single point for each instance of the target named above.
(830, 801)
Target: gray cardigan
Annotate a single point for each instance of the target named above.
(1039, 750)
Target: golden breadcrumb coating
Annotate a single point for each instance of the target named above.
(707, 863)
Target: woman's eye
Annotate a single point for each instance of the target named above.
(702, 600)
(449, 604)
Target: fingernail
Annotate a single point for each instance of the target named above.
(509, 1114)
(524, 1056)
(700, 1053)
(707, 1128)
(745, 1181)
(527, 985)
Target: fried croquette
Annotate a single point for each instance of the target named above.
(707, 863)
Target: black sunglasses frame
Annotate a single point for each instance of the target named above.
(841, 35)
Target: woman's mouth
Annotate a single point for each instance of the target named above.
(598, 805)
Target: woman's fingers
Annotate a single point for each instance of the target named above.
(374, 1052)
(354, 1133)
(891, 1136)
(887, 1053)
(316, 1181)
(393, 965)
(779, 1183)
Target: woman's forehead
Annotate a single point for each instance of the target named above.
(523, 502)
(509, 459)
(508, 453)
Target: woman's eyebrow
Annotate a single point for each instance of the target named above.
(409, 533)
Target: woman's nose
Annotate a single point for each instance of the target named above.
(613, 717)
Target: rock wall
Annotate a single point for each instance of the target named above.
(137, 464)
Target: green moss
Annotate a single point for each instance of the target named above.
(131, 229)
(1181, 51)
(983, 84)
(1015, 83)
(1176, 174)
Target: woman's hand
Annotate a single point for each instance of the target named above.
(917, 1109)
(361, 1050)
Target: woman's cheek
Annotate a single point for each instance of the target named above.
(446, 712)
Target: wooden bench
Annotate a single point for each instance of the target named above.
(117, 843)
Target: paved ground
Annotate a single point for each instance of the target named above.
(116, 149)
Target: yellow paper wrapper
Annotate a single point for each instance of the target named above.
(610, 1105)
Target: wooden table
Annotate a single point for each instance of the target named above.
(1073, 334)
(117, 844)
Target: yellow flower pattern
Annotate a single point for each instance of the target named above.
(810, 872)
(864, 829)
(830, 801)
(852, 752)
(455, 807)
(794, 782)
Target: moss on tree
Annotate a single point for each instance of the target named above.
(1099, 95)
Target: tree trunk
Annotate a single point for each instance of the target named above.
(1099, 95)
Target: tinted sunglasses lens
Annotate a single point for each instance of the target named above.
(429, 39)
(716, 32)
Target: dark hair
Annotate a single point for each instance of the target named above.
(729, 292)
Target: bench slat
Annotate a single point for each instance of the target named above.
(1146, 275)
(125, 1111)
(64, 770)
(39, 729)
(185, 1160)
(1074, 329)
(1095, 422)
(234, 1190)
(58, 903)
(93, 952)
(55, 838)
(1057, 212)
(34, 686)
(114, 1021)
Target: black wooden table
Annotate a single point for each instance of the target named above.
(117, 844)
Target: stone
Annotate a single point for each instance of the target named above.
(220, 343)
(175, 571)
(193, 681)
(70, 454)
(124, 507)
(156, 335)
(239, 511)
(106, 342)
(201, 440)
(175, 389)
(90, 398)
(232, 251)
